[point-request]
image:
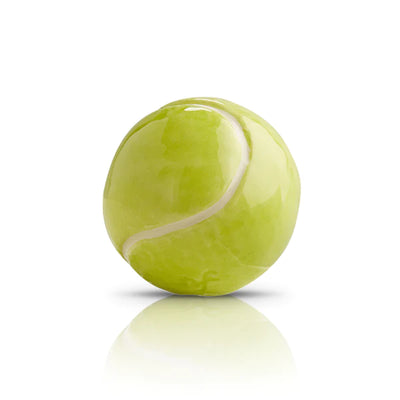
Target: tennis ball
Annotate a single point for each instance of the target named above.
(201, 197)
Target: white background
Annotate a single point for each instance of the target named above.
(76, 75)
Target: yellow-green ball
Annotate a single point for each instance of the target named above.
(201, 197)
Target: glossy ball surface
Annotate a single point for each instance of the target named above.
(201, 197)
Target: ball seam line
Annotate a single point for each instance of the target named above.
(214, 208)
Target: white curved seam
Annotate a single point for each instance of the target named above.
(214, 208)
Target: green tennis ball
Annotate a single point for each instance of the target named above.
(201, 197)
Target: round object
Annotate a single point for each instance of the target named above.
(201, 197)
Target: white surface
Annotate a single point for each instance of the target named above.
(75, 76)
(214, 208)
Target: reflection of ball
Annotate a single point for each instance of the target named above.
(201, 197)
(192, 339)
